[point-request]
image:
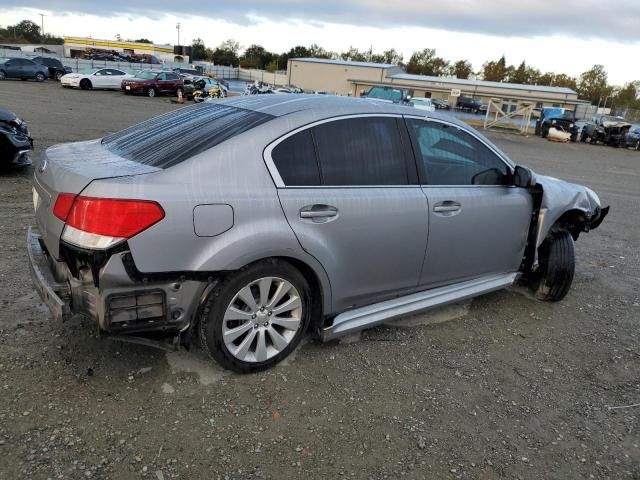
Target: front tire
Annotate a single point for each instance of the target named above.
(40, 77)
(552, 281)
(256, 316)
(3, 76)
(59, 76)
(85, 84)
(151, 92)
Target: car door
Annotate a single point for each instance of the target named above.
(15, 68)
(100, 79)
(114, 78)
(348, 188)
(478, 221)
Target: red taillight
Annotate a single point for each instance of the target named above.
(63, 205)
(113, 217)
(110, 217)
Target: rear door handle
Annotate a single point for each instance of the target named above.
(448, 206)
(318, 211)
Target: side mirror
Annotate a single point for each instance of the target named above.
(523, 177)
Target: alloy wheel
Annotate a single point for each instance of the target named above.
(262, 319)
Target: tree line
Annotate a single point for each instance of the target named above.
(592, 85)
(27, 31)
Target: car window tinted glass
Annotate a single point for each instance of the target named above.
(295, 159)
(450, 156)
(176, 136)
(361, 151)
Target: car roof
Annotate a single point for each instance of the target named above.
(310, 107)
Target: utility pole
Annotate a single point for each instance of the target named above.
(178, 28)
(42, 15)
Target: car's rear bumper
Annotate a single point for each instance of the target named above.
(118, 303)
(51, 292)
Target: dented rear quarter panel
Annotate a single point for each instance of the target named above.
(232, 173)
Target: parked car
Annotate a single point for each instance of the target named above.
(440, 104)
(389, 95)
(423, 104)
(15, 141)
(152, 83)
(468, 104)
(557, 118)
(632, 138)
(606, 129)
(249, 220)
(23, 69)
(55, 66)
(104, 78)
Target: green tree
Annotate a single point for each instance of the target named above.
(198, 50)
(518, 75)
(355, 55)
(628, 96)
(256, 56)
(146, 40)
(564, 80)
(594, 85)
(495, 71)
(426, 62)
(462, 69)
(226, 53)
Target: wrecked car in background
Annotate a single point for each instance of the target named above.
(15, 141)
(248, 221)
(606, 129)
(558, 118)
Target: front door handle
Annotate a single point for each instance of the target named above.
(448, 207)
(318, 211)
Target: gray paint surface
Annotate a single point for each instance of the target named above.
(384, 241)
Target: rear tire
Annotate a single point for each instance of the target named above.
(40, 77)
(280, 332)
(59, 76)
(552, 281)
(3, 76)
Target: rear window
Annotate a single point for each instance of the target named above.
(174, 137)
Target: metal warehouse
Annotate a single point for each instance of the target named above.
(355, 78)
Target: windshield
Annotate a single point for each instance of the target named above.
(2, 60)
(146, 75)
(88, 71)
(393, 94)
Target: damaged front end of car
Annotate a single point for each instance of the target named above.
(15, 141)
(560, 205)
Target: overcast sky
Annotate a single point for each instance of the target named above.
(563, 36)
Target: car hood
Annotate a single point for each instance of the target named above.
(560, 196)
(615, 124)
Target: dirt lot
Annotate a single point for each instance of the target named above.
(506, 388)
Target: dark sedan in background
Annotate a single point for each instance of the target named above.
(22, 68)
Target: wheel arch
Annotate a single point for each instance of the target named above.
(315, 276)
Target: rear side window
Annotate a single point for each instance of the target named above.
(361, 151)
(176, 136)
(295, 159)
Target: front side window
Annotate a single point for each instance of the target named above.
(361, 151)
(448, 155)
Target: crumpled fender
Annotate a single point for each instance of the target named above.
(559, 197)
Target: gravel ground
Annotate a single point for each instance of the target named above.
(501, 387)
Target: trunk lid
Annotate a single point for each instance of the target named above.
(69, 168)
